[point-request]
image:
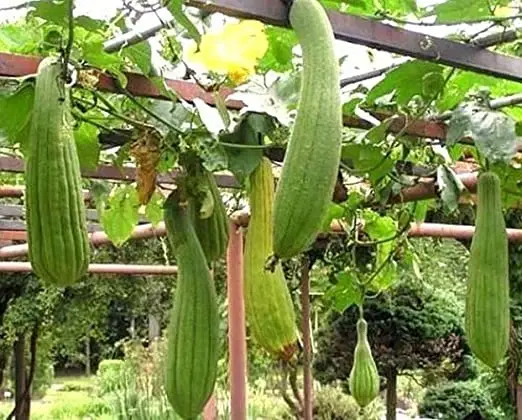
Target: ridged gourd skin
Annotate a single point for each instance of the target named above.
(487, 315)
(269, 308)
(55, 213)
(364, 381)
(213, 231)
(193, 330)
(309, 173)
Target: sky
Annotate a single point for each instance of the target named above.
(361, 59)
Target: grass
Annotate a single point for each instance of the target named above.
(75, 398)
(68, 398)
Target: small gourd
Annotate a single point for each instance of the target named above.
(364, 382)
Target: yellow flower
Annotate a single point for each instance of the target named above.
(234, 50)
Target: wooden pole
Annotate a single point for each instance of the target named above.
(236, 325)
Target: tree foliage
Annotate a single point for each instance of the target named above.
(413, 325)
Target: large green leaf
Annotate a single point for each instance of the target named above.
(372, 7)
(120, 213)
(87, 145)
(140, 54)
(95, 55)
(367, 159)
(52, 11)
(407, 81)
(464, 82)
(250, 131)
(16, 109)
(154, 209)
(453, 11)
(493, 132)
(17, 38)
(345, 293)
(381, 228)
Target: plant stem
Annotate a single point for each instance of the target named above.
(70, 40)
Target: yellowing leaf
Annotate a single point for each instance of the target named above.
(234, 50)
(503, 11)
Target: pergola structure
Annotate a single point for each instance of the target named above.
(474, 57)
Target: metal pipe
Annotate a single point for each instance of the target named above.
(134, 37)
(133, 269)
(236, 326)
(485, 41)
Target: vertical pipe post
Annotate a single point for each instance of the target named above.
(236, 325)
(307, 342)
(210, 410)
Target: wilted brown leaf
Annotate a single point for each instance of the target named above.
(145, 150)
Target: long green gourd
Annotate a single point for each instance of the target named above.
(487, 312)
(193, 330)
(309, 172)
(269, 308)
(212, 231)
(55, 212)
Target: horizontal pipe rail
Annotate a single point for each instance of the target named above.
(148, 231)
(131, 269)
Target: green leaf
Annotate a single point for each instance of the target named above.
(94, 54)
(90, 24)
(463, 10)
(421, 210)
(367, 159)
(154, 209)
(432, 84)
(345, 293)
(214, 156)
(87, 145)
(358, 7)
(52, 11)
(511, 183)
(381, 228)
(350, 106)
(378, 133)
(140, 54)
(16, 109)
(175, 7)
(450, 187)
(279, 55)
(120, 214)
(463, 82)
(493, 132)
(252, 128)
(19, 38)
(335, 211)
(406, 81)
